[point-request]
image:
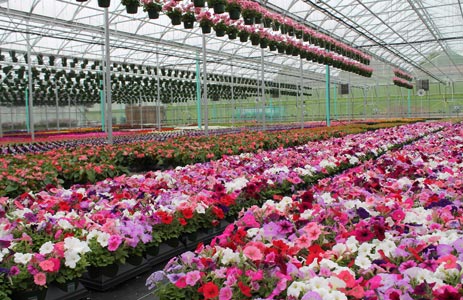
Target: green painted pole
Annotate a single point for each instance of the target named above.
(27, 111)
(328, 96)
(102, 107)
(335, 90)
(198, 91)
(409, 102)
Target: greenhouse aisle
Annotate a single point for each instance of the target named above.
(133, 289)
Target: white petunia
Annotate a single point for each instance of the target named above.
(236, 184)
(46, 248)
(363, 262)
(22, 258)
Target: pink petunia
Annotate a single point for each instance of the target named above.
(113, 242)
(253, 253)
(40, 279)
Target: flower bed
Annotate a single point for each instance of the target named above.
(387, 229)
(55, 234)
(90, 163)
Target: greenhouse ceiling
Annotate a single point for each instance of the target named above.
(408, 34)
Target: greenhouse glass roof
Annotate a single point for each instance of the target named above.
(409, 34)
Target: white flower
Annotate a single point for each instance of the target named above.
(337, 295)
(46, 248)
(339, 249)
(307, 214)
(353, 160)
(103, 239)
(352, 244)
(295, 289)
(64, 224)
(236, 184)
(327, 198)
(75, 245)
(363, 262)
(336, 283)
(326, 163)
(22, 258)
(200, 208)
(71, 258)
(230, 257)
(284, 204)
(252, 232)
(3, 253)
(404, 181)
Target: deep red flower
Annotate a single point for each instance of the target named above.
(245, 290)
(187, 213)
(363, 235)
(210, 290)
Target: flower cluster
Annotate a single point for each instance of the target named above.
(387, 229)
(105, 223)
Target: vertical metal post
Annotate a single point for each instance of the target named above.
(140, 110)
(1, 125)
(301, 102)
(26, 100)
(30, 94)
(69, 111)
(327, 96)
(232, 86)
(108, 78)
(198, 90)
(364, 103)
(409, 109)
(158, 83)
(263, 88)
(206, 109)
(335, 100)
(57, 109)
(46, 117)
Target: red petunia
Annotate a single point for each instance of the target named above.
(210, 290)
(245, 290)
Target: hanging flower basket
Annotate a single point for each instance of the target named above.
(219, 8)
(272, 46)
(289, 50)
(263, 43)
(219, 32)
(153, 14)
(243, 36)
(132, 7)
(199, 3)
(232, 35)
(248, 21)
(284, 29)
(39, 294)
(206, 29)
(188, 20)
(275, 26)
(255, 39)
(303, 54)
(104, 3)
(306, 37)
(267, 22)
(258, 19)
(299, 34)
(234, 13)
(290, 31)
(176, 19)
(188, 24)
